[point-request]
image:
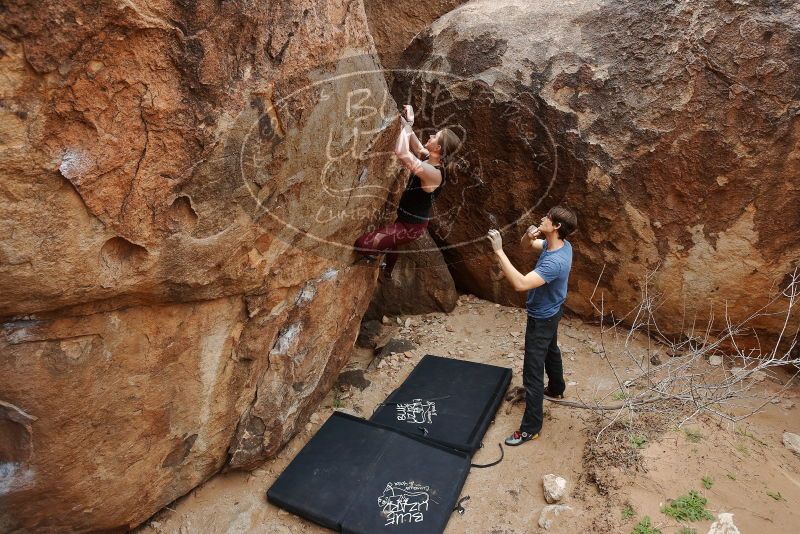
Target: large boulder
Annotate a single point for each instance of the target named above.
(421, 283)
(180, 184)
(671, 129)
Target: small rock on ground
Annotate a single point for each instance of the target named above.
(551, 511)
(396, 345)
(792, 442)
(368, 334)
(354, 378)
(555, 487)
(723, 525)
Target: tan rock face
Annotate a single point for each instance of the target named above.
(393, 25)
(178, 191)
(672, 132)
(128, 406)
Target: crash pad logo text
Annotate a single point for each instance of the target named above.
(404, 502)
(418, 411)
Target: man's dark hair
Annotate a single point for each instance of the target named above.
(566, 218)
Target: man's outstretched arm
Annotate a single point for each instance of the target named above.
(519, 281)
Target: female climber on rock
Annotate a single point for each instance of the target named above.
(428, 177)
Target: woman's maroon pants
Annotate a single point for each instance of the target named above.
(388, 238)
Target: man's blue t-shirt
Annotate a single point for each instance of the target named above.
(553, 267)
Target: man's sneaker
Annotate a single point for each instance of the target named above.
(517, 438)
(547, 393)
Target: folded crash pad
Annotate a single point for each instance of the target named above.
(356, 476)
(449, 401)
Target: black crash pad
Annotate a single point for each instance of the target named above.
(449, 401)
(356, 476)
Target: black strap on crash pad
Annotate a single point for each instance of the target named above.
(502, 454)
(460, 509)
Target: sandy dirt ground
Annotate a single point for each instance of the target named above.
(745, 463)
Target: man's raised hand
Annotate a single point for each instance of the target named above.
(533, 232)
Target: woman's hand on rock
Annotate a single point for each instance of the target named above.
(407, 114)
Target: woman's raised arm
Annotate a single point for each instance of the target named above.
(428, 174)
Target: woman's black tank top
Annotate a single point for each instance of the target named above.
(415, 204)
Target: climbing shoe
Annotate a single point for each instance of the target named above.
(385, 275)
(366, 259)
(548, 393)
(518, 438)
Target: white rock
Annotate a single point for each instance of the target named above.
(408, 323)
(715, 360)
(792, 442)
(723, 525)
(551, 511)
(315, 417)
(385, 320)
(555, 487)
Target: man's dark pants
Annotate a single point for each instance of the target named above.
(541, 354)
